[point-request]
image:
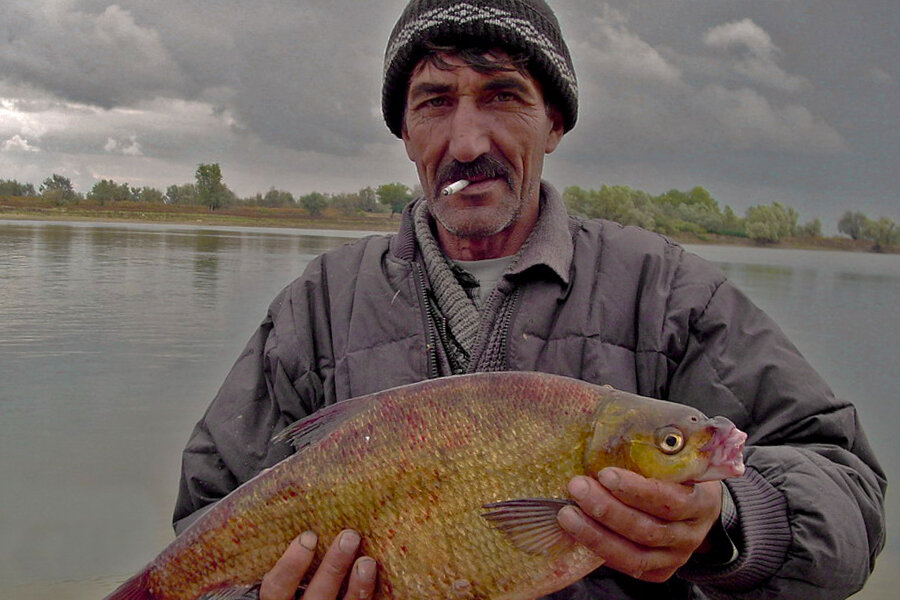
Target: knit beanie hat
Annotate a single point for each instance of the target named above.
(521, 26)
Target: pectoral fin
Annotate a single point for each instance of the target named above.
(530, 524)
(244, 592)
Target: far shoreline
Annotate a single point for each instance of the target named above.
(36, 209)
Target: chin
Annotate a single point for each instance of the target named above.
(474, 221)
(475, 228)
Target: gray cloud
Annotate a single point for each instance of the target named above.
(647, 99)
(103, 58)
(780, 96)
(757, 58)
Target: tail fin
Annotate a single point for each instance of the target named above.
(136, 588)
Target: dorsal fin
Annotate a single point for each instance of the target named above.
(316, 426)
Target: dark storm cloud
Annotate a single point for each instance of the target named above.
(796, 96)
(103, 58)
(297, 74)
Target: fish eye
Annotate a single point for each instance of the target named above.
(670, 440)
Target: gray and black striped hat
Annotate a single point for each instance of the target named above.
(526, 26)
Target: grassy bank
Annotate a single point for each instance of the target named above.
(256, 216)
(245, 216)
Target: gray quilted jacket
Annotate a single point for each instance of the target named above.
(612, 305)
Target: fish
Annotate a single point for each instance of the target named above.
(453, 484)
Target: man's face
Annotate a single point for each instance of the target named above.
(492, 129)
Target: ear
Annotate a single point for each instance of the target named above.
(557, 129)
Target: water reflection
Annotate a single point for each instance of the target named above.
(55, 245)
(206, 265)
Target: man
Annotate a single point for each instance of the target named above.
(496, 276)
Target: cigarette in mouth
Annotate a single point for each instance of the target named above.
(455, 187)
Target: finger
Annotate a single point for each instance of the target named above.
(663, 499)
(602, 506)
(282, 580)
(362, 579)
(617, 551)
(334, 568)
(640, 528)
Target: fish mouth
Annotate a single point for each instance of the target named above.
(725, 449)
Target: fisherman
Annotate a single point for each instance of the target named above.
(494, 275)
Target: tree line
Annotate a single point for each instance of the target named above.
(696, 211)
(209, 190)
(673, 212)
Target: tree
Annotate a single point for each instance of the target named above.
(148, 194)
(277, 198)
(314, 202)
(618, 203)
(210, 190)
(700, 196)
(851, 224)
(348, 204)
(395, 195)
(181, 194)
(811, 229)
(58, 188)
(368, 201)
(577, 200)
(770, 224)
(11, 187)
(731, 223)
(107, 190)
(882, 232)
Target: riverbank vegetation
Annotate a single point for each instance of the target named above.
(692, 216)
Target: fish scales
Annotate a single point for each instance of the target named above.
(411, 469)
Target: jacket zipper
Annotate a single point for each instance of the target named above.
(431, 336)
(506, 324)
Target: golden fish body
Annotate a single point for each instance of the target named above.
(413, 469)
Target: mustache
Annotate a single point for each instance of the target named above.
(485, 166)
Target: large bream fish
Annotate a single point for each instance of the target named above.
(453, 483)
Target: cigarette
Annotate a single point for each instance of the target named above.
(455, 187)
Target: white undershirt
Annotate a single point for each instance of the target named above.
(488, 272)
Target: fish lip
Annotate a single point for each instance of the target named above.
(726, 450)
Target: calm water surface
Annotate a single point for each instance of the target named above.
(114, 338)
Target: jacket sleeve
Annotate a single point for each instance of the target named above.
(271, 384)
(811, 505)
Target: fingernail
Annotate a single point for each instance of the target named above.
(579, 488)
(308, 540)
(609, 478)
(570, 519)
(349, 541)
(365, 568)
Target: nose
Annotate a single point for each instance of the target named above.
(469, 132)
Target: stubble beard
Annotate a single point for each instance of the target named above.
(477, 222)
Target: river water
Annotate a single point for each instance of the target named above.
(114, 338)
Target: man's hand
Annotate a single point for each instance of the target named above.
(642, 527)
(282, 581)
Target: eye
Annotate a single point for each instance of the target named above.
(670, 440)
(504, 97)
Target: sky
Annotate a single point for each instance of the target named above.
(794, 101)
